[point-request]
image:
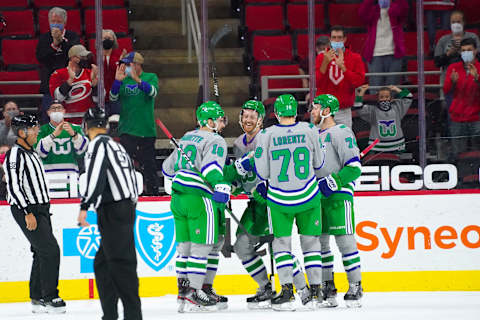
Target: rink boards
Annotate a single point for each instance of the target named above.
(408, 241)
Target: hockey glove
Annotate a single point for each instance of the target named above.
(328, 185)
(243, 165)
(262, 189)
(221, 193)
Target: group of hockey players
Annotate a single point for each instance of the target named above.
(292, 172)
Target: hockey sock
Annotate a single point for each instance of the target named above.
(196, 270)
(284, 263)
(298, 276)
(351, 264)
(212, 267)
(313, 266)
(256, 269)
(327, 266)
(181, 266)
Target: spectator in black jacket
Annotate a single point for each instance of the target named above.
(52, 52)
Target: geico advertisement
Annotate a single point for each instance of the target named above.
(394, 233)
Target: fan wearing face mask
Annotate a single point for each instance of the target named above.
(75, 85)
(385, 117)
(7, 137)
(463, 83)
(59, 142)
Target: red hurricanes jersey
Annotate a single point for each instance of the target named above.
(79, 98)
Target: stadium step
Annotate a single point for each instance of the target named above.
(169, 9)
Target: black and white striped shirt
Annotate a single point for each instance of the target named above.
(110, 173)
(25, 176)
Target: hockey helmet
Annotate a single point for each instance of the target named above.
(327, 101)
(286, 106)
(23, 122)
(94, 117)
(209, 110)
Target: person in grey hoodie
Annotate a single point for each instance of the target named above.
(9, 110)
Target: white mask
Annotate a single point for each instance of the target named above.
(457, 28)
(56, 116)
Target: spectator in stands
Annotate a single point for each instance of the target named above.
(447, 50)
(75, 85)
(7, 137)
(52, 51)
(59, 142)
(111, 56)
(385, 118)
(437, 9)
(3, 183)
(339, 71)
(385, 46)
(136, 90)
(462, 80)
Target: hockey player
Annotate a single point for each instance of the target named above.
(337, 176)
(197, 210)
(286, 156)
(255, 217)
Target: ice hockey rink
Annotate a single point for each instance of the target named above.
(376, 305)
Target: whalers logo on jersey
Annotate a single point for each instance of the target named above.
(131, 89)
(62, 146)
(387, 128)
(155, 238)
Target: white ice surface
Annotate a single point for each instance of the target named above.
(376, 305)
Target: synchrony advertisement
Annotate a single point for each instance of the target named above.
(408, 240)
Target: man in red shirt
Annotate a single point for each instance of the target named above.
(75, 85)
(462, 81)
(339, 72)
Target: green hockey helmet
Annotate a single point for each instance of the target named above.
(327, 101)
(255, 105)
(286, 106)
(209, 110)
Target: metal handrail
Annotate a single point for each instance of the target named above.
(193, 31)
(265, 90)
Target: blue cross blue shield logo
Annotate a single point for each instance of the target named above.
(155, 238)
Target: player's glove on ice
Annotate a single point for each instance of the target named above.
(260, 193)
(243, 165)
(328, 185)
(221, 193)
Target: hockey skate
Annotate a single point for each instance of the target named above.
(285, 301)
(261, 300)
(329, 294)
(306, 298)
(56, 305)
(198, 301)
(354, 295)
(316, 295)
(222, 301)
(183, 284)
(38, 306)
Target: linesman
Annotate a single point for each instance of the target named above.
(27, 194)
(112, 187)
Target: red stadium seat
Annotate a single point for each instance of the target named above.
(345, 14)
(14, 4)
(19, 76)
(411, 43)
(264, 1)
(302, 44)
(115, 19)
(297, 16)
(471, 9)
(105, 3)
(123, 43)
(356, 42)
(74, 21)
(55, 3)
(429, 65)
(267, 48)
(274, 70)
(264, 18)
(19, 23)
(18, 54)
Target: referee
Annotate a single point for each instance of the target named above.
(27, 194)
(112, 188)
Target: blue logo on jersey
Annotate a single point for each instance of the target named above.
(83, 243)
(131, 89)
(155, 238)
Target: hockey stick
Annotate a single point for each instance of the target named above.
(263, 239)
(217, 36)
(370, 147)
